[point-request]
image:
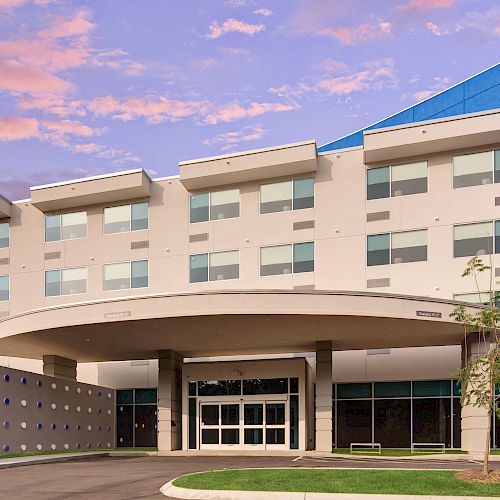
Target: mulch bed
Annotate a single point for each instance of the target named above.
(477, 476)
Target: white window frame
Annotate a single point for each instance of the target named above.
(61, 226)
(130, 230)
(210, 206)
(130, 275)
(293, 199)
(284, 245)
(208, 267)
(8, 232)
(60, 281)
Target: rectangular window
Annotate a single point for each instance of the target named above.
(65, 226)
(126, 275)
(65, 281)
(4, 234)
(478, 298)
(219, 387)
(4, 288)
(473, 169)
(285, 259)
(409, 246)
(378, 249)
(396, 180)
(497, 165)
(473, 239)
(216, 205)
(215, 266)
(265, 386)
(126, 218)
(287, 195)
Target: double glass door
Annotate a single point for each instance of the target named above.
(244, 425)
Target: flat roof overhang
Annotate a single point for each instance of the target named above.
(389, 144)
(228, 322)
(256, 165)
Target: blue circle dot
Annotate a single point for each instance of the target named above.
(6, 447)
(6, 377)
(39, 383)
(23, 380)
(53, 426)
(6, 424)
(39, 425)
(6, 401)
(39, 404)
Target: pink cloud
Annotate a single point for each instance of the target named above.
(12, 4)
(88, 148)
(426, 4)
(63, 27)
(350, 35)
(230, 139)
(154, 109)
(333, 66)
(54, 105)
(344, 84)
(68, 127)
(233, 26)
(14, 128)
(17, 77)
(234, 111)
(263, 12)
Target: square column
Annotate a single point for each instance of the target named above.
(169, 401)
(323, 407)
(57, 366)
(474, 419)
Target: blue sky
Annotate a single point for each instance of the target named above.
(89, 87)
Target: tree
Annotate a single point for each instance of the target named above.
(481, 374)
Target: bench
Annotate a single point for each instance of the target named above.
(428, 447)
(366, 448)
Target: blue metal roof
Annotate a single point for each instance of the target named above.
(478, 93)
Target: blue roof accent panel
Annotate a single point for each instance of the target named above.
(478, 93)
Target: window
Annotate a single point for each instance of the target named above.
(396, 248)
(126, 275)
(287, 259)
(217, 205)
(65, 226)
(4, 288)
(287, 195)
(478, 298)
(4, 234)
(475, 169)
(65, 281)
(214, 266)
(396, 180)
(473, 239)
(126, 218)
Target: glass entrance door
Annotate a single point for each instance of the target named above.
(276, 435)
(253, 426)
(220, 425)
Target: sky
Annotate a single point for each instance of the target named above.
(92, 87)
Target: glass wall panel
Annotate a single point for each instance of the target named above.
(473, 298)
(303, 193)
(392, 389)
(52, 227)
(276, 260)
(125, 426)
(354, 422)
(393, 423)
(117, 219)
(431, 388)
(4, 288)
(410, 178)
(497, 236)
(253, 414)
(354, 391)
(409, 246)
(192, 388)
(210, 414)
(303, 257)
(4, 234)
(230, 436)
(52, 283)
(125, 396)
(456, 387)
(140, 274)
(473, 239)
(253, 436)
(497, 165)
(294, 385)
(265, 386)
(146, 396)
(276, 197)
(192, 423)
(73, 225)
(275, 436)
(473, 169)
(294, 421)
(198, 207)
(230, 414)
(117, 276)
(73, 281)
(275, 414)
(224, 265)
(457, 423)
(219, 388)
(378, 249)
(432, 420)
(225, 204)
(378, 183)
(139, 216)
(198, 268)
(145, 426)
(210, 436)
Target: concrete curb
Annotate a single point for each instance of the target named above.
(7, 463)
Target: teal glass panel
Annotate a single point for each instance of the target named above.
(140, 274)
(457, 390)
(4, 288)
(52, 227)
(497, 165)
(125, 397)
(294, 422)
(294, 385)
(198, 207)
(192, 423)
(52, 283)
(354, 391)
(192, 388)
(378, 242)
(392, 389)
(145, 396)
(431, 388)
(4, 235)
(139, 216)
(303, 193)
(303, 257)
(378, 175)
(198, 268)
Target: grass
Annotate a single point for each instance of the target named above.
(58, 452)
(384, 482)
(392, 452)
